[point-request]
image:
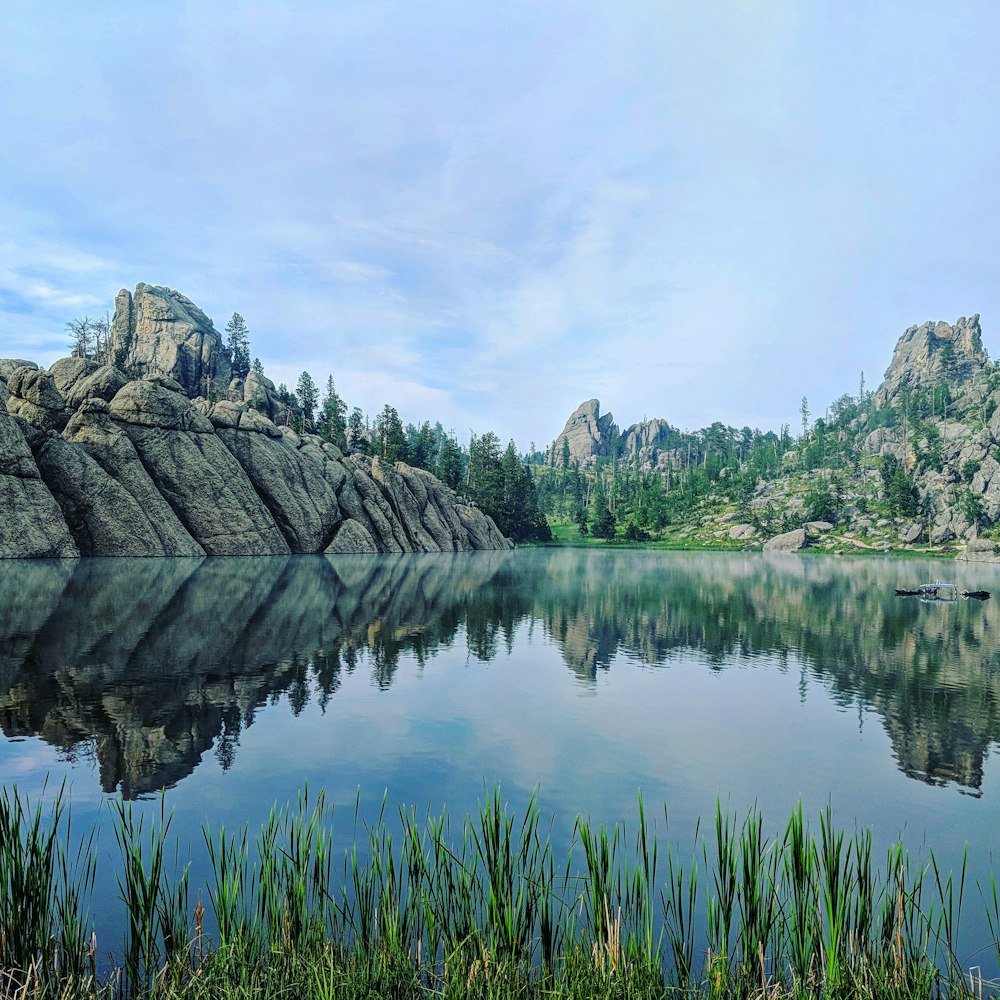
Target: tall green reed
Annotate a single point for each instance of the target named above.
(480, 906)
(46, 880)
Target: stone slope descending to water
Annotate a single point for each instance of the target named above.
(153, 473)
(95, 463)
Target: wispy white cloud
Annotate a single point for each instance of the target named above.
(686, 210)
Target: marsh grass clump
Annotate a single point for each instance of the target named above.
(412, 906)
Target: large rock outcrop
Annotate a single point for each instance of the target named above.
(932, 353)
(156, 329)
(289, 480)
(95, 463)
(587, 433)
(32, 525)
(650, 444)
(92, 430)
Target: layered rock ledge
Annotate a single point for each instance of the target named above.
(94, 464)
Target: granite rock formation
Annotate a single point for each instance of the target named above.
(95, 463)
(587, 432)
(156, 329)
(590, 436)
(931, 353)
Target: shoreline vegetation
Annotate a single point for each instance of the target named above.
(566, 534)
(481, 905)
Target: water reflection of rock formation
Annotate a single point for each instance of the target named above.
(146, 663)
(932, 672)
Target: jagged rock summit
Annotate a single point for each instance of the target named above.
(591, 436)
(93, 462)
(159, 330)
(586, 432)
(931, 353)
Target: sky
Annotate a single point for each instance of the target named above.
(486, 213)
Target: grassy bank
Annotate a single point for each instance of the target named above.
(567, 534)
(479, 906)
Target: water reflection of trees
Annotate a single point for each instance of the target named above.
(931, 671)
(149, 664)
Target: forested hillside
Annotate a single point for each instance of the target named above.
(912, 463)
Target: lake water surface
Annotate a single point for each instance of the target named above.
(584, 674)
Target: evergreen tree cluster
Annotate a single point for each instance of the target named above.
(730, 464)
(497, 481)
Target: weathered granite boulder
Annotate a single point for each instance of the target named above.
(32, 525)
(103, 517)
(790, 541)
(92, 430)
(78, 379)
(482, 532)
(818, 526)
(351, 537)
(405, 506)
(288, 479)
(159, 330)
(742, 532)
(259, 393)
(10, 365)
(425, 490)
(375, 510)
(33, 396)
(980, 550)
(195, 472)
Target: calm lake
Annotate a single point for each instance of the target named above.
(587, 675)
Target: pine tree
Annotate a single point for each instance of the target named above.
(390, 438)
(257, 368)
(333, 417)
(357, 432)
(308, 396)
(602, 521)
(450, 465)
(238, 345)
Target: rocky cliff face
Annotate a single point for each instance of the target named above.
(932, 353)
(92, 463)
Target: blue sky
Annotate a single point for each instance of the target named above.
(487, 213)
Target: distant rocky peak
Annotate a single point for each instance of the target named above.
(932, 353)
(587, 432)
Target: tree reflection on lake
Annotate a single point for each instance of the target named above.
(148, 665)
